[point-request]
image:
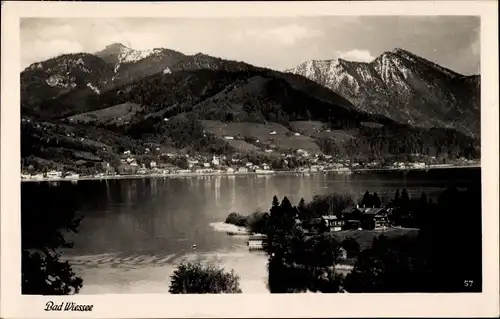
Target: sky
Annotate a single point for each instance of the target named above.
(275, 42)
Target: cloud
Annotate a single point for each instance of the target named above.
(135, 40)
(55, 31)
(356, 55)
(47, 49)
(293, 33)
(286, 35)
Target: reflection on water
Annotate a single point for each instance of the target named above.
(154, 219)
(151, 214)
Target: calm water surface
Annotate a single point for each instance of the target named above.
(135, 231)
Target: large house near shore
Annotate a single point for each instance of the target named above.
(366, 217)
(333, 222)
(349, 218)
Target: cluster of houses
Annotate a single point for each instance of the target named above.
(416, 165)
(360, 218)
(54, 175)
(350, 218)
(195, 164)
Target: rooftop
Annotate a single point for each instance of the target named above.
(370, 210)
(328, 217)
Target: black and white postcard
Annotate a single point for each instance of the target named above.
(249, 159)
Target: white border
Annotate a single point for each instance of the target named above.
(302, 305)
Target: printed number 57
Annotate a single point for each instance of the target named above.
(468, 283)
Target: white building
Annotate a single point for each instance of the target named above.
(242, 170)
(126, 152)
(263, 171)
(230, 170)
(302, 152)
(272, 133)
(315, 168)
(54, 174)
(72, 176)
(204, 171)
(297, 134)
(418, 165)
(152, 164)
(215, 161)
(257, 242)
(206, 165)
(229, 138)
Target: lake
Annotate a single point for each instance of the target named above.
(135, 231)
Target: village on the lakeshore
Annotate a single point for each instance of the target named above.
(155, 163)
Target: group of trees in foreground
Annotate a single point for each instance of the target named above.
(43, 223)
(445, 256)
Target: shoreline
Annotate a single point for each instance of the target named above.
(270, 173)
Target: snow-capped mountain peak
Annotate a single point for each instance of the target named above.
(119, 54)
(400, 85)
(130, 55)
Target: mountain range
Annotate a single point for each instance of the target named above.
(398, 84)
(404, 87)
(399, 103)
(80, 74)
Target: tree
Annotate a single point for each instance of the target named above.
(405, 203)
(182, 163)
(351, 246)
(302, 209)
(376, 202)
(397, 198)
(302, 204)
(258, 222)
(45, 215)
(333, 203)
(194, 278)
(236, 219)
(286, 204)
(45, 170)
(275, 201)
(422, 263)
(405, 198)
(321, 254)
(390, 265)
(367, 200)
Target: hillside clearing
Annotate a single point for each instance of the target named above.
(269, 135)
(256, 130)
(242, 146)
(118, 114)
(365, 237)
